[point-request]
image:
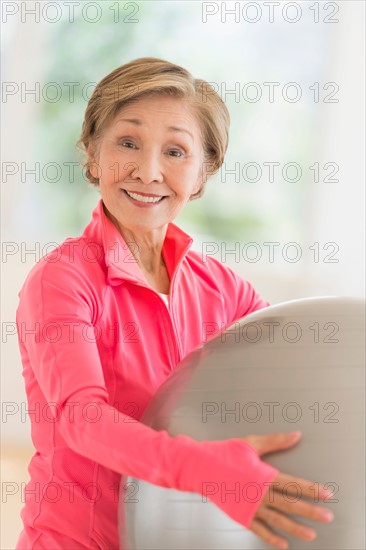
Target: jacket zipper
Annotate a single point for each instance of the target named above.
(177, 348)
(170, 311)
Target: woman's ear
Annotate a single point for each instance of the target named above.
(93, 160)
(199, 185)
(207, 170)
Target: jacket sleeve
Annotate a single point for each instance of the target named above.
(239, 295)
(247, 298)
(55, 327)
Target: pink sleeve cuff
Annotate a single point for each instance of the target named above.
(229, 473)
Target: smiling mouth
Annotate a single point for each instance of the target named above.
(143, 198)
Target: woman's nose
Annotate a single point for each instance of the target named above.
(148, 168)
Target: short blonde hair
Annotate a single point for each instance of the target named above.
(149, 76)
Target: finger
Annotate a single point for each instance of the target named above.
(285, 503)
(281, 521)
(272, 442)
(267, 535)
(303, 487)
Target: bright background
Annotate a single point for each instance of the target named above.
(47, 55)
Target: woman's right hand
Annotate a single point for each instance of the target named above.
(275, 508)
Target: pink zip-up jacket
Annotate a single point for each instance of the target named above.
(96, 342)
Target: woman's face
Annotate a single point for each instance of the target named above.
(152, 147)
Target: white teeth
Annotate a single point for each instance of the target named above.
(142, 198)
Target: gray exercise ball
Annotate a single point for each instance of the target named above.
(298, 365)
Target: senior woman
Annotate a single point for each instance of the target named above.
(106, 317)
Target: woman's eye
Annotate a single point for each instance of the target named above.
(127, 144)
(176, 153)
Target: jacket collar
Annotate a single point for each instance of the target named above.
(120, 263)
